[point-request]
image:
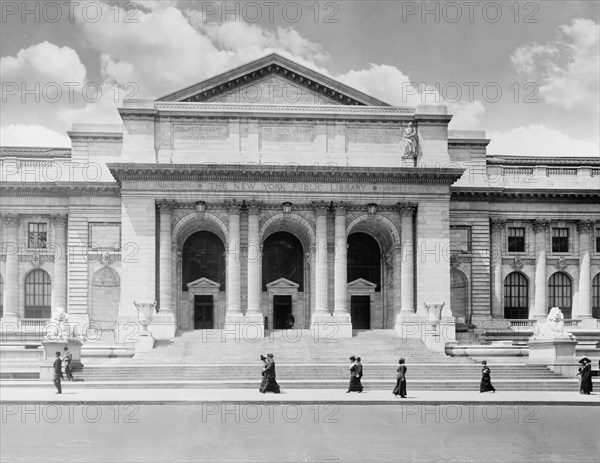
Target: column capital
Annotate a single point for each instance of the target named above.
(497, 223)
(320, 207)
(585, 225)
(166, 205)
(233, 207)
(59, 220)
(11, 220)
(407, 209)
(541, 225)
(340, 208)
(254, 206)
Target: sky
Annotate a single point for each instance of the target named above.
(526, 72)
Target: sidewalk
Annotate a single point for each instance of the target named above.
(15, 395)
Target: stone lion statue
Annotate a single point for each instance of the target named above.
(56, 328)
(554, 326)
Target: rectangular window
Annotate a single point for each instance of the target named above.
(560, 240)
(38, 235)
(460, 239)
(516, 239)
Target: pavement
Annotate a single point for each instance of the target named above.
(14, 395)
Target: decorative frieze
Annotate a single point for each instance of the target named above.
(10, 220)
(585, 226)
(340, 208)
(517, 263)
(561, 264)
(59, 220)
(253, 206)
(320, 207)
(497, 223)
(233, 206)
(407, 208)
(166, 205)
(540, 225)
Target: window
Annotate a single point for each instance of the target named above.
(38, 235)
(597, 239)
(559, 293)
(460, 239)
(516, 239)
(560, 240)
(516, 296)
(37, 294)
(1, 297)
(596, 296)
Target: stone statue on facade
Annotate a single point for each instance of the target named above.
(553, 328)
(57, 328)
(410, 142)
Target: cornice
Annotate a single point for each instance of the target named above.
(283, 174)
(505, 195)
(531, 161)
(34, 152)
(59, 190)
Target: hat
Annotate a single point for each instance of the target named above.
(352, 358)
(270, 356)
(584, 360)
(484, 362)
(401, 360)
(358, 359)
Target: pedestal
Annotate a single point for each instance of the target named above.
(145, 342)
(163, 325)
(551, 350)
(50, 349)
(250, 327)
(440, 334)
(329, 326)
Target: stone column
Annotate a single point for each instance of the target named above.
(407, 268)
(254, 259)
(584, 309)
(341, 259)
(11, 277)
(166, 268)
(540, 226)
(233, 259)
(59, 282)
(321, 259)
(497, 224)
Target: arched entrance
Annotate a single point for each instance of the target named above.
(282, 278)
(202, 278)
(364, 263)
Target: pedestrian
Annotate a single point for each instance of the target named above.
(57, 372)
(271, 383)
(585, 372)
(400, 389)
(486, 381)
(263, 383)
(355, 374)
(290, 321)
(67, 359)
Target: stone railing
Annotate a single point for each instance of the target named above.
(562, 171)
(32, 324)
(521, 323)
(517, 171)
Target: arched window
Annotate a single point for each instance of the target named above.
(283, 257)
(560, 293)
(1, 297)
(364, 259)
(516, 296)
(38, 290)
(596, 296)
(203, 256)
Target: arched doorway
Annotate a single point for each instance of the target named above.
(459, 298)
(203, 267)
(364, 262)
(282, 277)
(516, 296)
(560, 293)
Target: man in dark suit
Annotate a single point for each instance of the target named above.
(68, 358)
(57, 372)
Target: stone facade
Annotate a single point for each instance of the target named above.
(119, 206)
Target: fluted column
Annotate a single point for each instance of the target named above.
(540, 226)
(407, 268)
(341, 260)
(11, 277)
(166, 273)
(59, 281)
(321, 258)
(584, 310)
(497, 224)
(233, 259)
(254, 258)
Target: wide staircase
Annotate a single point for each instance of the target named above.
(216, 359)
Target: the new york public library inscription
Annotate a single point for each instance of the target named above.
(283, 187)
(201, 137)
(287, 138)
(367, 139)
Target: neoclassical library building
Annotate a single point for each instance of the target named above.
(272, 190)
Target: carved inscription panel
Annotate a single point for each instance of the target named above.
(373, 139)
(287, 138)
(202, 137)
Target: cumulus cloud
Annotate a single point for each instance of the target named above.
(566, 68)
(539, 140)
(32, 135)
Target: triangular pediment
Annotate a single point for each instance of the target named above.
(282, 283)
(361, 283)
(273, 79)
(203, 283)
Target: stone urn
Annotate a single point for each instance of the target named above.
(145, 341)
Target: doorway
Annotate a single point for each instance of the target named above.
(360, 311)
(203, 312)
(282, 308)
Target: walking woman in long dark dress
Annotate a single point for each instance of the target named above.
(355, 374)
(263, 383)
(271, 383)
(585, 383)
(486, 381)
(400, 389)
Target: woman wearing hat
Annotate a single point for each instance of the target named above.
(400, 389)
(355, 374)
(486, 380)
(585, 371)
(269, 372)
